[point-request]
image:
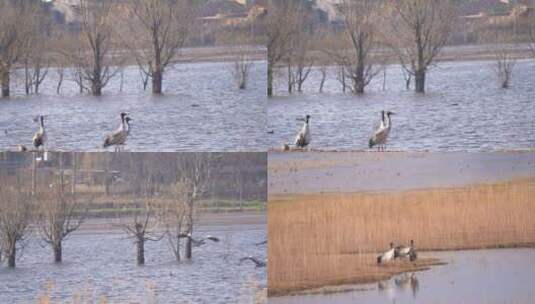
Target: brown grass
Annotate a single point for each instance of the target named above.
(327, 239)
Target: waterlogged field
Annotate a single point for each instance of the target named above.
(99, 265)
(462, 110)
(201, 110)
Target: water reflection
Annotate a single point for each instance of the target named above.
(479, 276)
(402, 284)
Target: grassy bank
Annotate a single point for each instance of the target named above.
(333, 238)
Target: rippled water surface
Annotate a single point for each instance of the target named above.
(463, 110)
(102, 264)
(202, 110)
(483, 276)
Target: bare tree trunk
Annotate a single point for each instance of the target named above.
(270, 80)
(96, 81)
(27, 78)
(359, 79)
(11, 254)
(290, 81)
(5, 79)
(177, 252)
(57, 248)
(157, 78)
(419, 81)
(188, 249)
(140, 250)
(323, 77)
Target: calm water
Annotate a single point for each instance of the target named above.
(484, 276)
(202, 110)
(102, 264)
(463, 110)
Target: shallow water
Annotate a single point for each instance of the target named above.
(462, 110)
(102, 264)
(201, 110)
(479, 276)
(300, 172)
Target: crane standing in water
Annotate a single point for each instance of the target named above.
(118, 137)
(303, 137)
(380, 135)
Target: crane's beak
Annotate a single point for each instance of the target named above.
(300, 119)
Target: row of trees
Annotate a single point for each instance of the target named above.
(371, 34)
(150, 32)
(415, 31)
(55, 211)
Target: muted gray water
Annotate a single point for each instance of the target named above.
(462, 110)
(317, 172)
(202, 110)
(484, 276)
(102, 264)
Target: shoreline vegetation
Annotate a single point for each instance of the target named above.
(324, 239)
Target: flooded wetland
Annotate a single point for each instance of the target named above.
(462, 110)
(201, 110)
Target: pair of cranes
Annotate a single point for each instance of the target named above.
(398, 252)
(379, 136)
(116, 138)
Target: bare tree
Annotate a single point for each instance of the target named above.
(91, 51)
(60, 71)
(16, 28)
(300, 63)
(360, 40)
(59, 215)
(156, 31)
(341, 77)
(242, 65)
(243, 60)
(142, 225)
(15, 216)
(195, 170)
(323, 71)
(282, 22)
(505, 60)
(172, 212)
(418, 32)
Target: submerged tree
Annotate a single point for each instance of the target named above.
(91, 51)
(17, 26)
(195, 170)
(15, 218)
(172, 212)
(418, 32)
(142, 225)
(59, 215)
(282, 23)
(504, 59)
(355, 57)
(155, 31)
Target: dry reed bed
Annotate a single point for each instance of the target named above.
(324, 239)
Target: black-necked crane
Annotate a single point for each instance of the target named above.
(387, 256)
(200, 241)
(406, 251)
(303, 137)
(39, 138)
(256, 261)
(380, 135)
(118, 137)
